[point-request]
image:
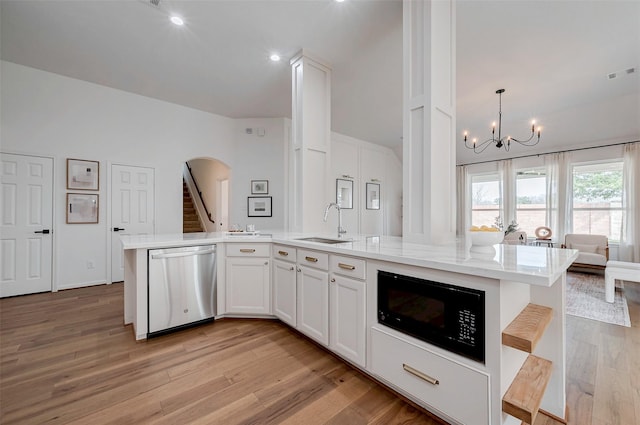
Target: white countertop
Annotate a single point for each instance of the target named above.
(527, 264)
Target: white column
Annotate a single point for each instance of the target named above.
(310, 143)
(429, 112)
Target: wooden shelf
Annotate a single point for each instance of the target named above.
(527, 328)
(545, 418)
(522, 399)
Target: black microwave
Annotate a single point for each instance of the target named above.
(448, 316)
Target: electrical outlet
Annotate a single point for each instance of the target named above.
(90, 264)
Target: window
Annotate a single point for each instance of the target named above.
(531, 199)
(597, 199)
(485, 199)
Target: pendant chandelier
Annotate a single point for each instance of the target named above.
(501, 142)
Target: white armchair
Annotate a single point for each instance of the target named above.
(594, 250)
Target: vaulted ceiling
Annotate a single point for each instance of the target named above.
(552, 57)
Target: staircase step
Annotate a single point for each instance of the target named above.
(522, 399)
(524, 332)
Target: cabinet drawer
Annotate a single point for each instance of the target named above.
(284, 253)
(318, 260)
(247, 250)
(347, 266)
(410, 367)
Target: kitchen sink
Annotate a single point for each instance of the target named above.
(324, 240)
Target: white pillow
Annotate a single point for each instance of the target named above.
(585, 248)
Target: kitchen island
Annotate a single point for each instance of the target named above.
(329, 292)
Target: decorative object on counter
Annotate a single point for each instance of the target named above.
(82, 208)
(500, 141)
(344, 193)
(259, 206)
(373, 196)
(510, 228)
(83, 174)
(259, 187)
(586, 298)
(251, 228)
(483, 238)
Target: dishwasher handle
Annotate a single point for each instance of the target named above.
(182, 254)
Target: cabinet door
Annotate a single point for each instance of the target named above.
(284, 291)
(247, 289)
(313, 303)
(347, 320)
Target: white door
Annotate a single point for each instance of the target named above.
(132, 210)
(248, 285)
(348, 326)
(26, 219)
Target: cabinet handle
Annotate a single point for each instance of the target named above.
(283, 253)
(312, 259)
(423, 376)
(266, 263)
(249, 250)
(346, 266)
(346, 176)
(299, 270)
(291, 269)
(333, 280)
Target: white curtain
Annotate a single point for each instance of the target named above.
(558, 214)
(630, 239)
(463, 210)
(508, 192)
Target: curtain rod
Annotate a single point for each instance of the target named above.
(550, 153)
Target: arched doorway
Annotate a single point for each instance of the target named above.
(207, 181)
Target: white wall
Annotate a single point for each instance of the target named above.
(258, 157)
(347, 155)
(49, 114)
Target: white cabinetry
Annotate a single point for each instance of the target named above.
(247, 279)
(313, 295)
(430, 378)
(284, 284)
(347, 308)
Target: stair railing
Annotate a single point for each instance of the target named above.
(199, 193)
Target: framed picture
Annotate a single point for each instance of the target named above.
(82, 208)
(259, 187)
(373, 196)
(83, 175)
(344, 193)
(259, 206)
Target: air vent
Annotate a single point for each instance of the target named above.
(155, 2)
(612, 75)
(630, 71)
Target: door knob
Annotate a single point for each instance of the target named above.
(117, 229)
(44, 232)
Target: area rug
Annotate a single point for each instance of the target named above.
(585, 298)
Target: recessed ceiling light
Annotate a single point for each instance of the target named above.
(274, 57)
(177, 20)
(339, 1)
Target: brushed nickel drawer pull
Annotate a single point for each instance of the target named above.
(312, 259)
(423, 376)
(249, 250)
(346, 266)
(283, 253)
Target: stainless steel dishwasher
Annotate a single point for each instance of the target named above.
(182, 287)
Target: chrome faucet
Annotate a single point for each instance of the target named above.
(341, 231)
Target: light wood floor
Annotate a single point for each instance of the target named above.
(66, 358)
